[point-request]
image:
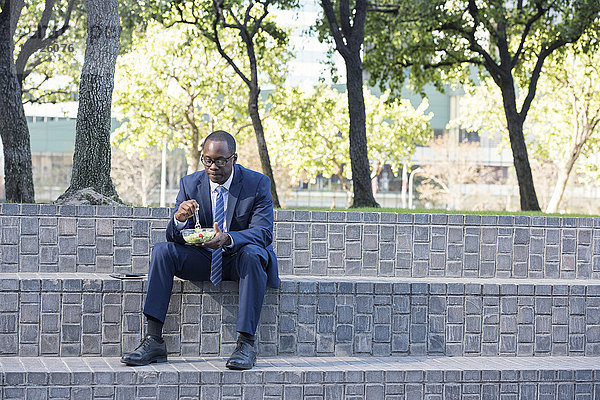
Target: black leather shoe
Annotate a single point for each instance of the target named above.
(243, 357)
(149, 351)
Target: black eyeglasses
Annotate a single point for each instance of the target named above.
(219, 162)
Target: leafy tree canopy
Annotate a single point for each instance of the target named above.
(394, 129)
(270, 39)
(563, 123)
(507, 40)
(309, 132)
(174, 86)
(438, 40)
(50, 44)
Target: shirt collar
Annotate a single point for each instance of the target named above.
(226, 185)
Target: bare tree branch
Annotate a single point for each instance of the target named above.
(259, 21)
(32, 65)
(344, 6)
(38, 39)
(535, 74)
(39, 85)
(386, 9)
(540, 12)
(13, 9)
(357, 35)
(33, 43)
(488, 62)
(182, 19)
(334, 27)
(474, 12)
(39, 98)
(451, 63)
(215, 38)
(20, 37)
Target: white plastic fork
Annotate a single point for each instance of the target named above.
(197, 226)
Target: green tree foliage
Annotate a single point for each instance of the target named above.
(440, 40)
(264, 44)
(174, 85)
(50, 45)
(563, 120)
(39, 41)
(309, 132)
(394, 129)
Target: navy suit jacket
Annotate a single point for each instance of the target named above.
(249, 212)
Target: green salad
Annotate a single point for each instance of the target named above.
(198, 235)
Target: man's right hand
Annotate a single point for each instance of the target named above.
(186, 210)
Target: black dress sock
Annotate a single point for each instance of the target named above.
(154, 327)
(246, 337)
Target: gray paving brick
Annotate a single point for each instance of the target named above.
(505, 252)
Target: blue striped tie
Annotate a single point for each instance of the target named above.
(216, 265)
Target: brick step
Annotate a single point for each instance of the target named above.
(332, 378)
(49, 238)
(93, 314)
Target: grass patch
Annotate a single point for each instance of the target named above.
(441, 211)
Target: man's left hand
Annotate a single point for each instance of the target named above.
(221, 239)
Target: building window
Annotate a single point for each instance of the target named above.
(468, 136)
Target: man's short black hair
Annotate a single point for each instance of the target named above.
(221, 136)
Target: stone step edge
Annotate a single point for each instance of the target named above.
(493, 366)
(319, 278)
(303, 216)
(78, 281)
(372, 378)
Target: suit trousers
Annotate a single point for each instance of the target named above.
(247, 266)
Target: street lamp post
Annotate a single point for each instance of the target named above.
(404, 184)
(163, 174)
(410, 186)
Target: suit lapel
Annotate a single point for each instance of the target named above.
(203, 198)
(234, 192)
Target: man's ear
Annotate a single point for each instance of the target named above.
(234, 158)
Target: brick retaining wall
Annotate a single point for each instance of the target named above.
(48, 238)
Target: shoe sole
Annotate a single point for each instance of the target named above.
(240, 367)
(236, 368)
(141, 364)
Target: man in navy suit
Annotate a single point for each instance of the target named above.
(237, 202)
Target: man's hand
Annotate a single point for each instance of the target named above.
(221, 239)
(186, 210)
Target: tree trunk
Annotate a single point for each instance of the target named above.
(18, 176)
(559, 189)
(91, 160)
(344, 183)
(349, 35)
(261, 143)
(563, 177)
(194, 161)
(194, 148)
(529, 201)
(361, 175)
